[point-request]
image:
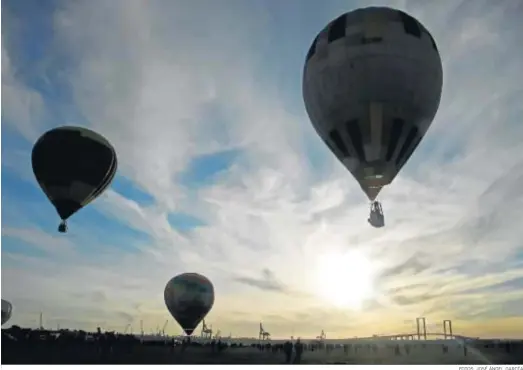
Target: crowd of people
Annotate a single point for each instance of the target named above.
(29, 346)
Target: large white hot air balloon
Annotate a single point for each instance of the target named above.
(372, 85)
(189, 297)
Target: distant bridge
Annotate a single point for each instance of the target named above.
(419, 336)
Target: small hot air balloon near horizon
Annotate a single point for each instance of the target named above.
(189, 297)
(372, 85)
(73, 166)
(7, 311)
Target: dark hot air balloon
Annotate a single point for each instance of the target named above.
(73, 166)
(7, 310)
(372, 85)
(189, 297)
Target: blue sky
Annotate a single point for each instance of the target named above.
(221, 173)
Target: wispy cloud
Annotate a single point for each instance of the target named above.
(173, 86)
(39, 239)
(267, 282)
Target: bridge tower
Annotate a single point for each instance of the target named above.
(447, 329)
(421, 324)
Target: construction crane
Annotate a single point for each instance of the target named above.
(320, 340)
(126, 328)
(263, 335)
(206, 331)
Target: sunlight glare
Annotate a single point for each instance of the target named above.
(345, 280)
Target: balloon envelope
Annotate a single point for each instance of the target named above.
(73, 166)
(7, 310)
(189, 297)
(372, 85)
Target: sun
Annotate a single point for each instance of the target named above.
(345, 280)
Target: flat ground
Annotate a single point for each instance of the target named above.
(195, 355)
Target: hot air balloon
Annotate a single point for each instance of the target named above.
(372, 85)
(7, 310)
(73, 166)
(189, 297)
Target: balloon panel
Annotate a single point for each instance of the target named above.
(372, 85)
(73, 165)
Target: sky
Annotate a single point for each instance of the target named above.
(221, 173)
